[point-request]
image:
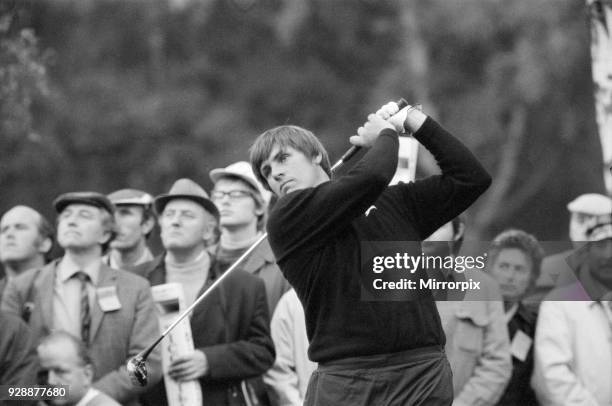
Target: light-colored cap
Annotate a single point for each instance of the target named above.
(243, 171)
(130, 197)
(594, 204)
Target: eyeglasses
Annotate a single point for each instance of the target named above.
(232, 194)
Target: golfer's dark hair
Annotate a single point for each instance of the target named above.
(522, 241)
(283, 137)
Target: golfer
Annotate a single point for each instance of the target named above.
(369, 352)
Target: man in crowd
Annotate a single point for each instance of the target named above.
(477, 344)
(242, 204)
(134, 219)
(572, 344)
(65, 360)
(230, 328)
(369, 352)
(514, 259)
(110, 310)
(288, 377)
(26, 238)
(558, 269)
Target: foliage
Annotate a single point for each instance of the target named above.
(144, 92)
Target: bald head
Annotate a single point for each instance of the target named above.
(26, 237)
(66, 361)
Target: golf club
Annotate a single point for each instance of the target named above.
(136, 366)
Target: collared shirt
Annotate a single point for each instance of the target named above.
(95, 397)
(91, 393)
(67, 294)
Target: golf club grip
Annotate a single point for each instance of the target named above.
(401, 103)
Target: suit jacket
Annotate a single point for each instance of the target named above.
(18, 363)
(116, 335)
(231, 327)
(519, 391)
(261, 263)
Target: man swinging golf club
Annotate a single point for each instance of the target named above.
(369, 352)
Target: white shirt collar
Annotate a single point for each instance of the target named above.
(91, 393)
(67, 268)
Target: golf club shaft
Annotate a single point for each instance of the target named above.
(216, 282)
(205, 294)
(347, 155)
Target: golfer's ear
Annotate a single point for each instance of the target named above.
(317, 159)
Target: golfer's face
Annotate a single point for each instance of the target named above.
(287, 170)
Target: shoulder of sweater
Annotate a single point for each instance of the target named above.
(146, 268)
(264, 252)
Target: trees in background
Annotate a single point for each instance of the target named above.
(143, 92)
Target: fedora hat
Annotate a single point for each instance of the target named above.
(186, 189)
(89, 198)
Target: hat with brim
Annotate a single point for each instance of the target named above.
(594, 204)
(241, 170)
(186, 189)
(131, 197)
(89, 198)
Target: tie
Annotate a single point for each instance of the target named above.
(85, 314)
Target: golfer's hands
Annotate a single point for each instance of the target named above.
(189, 367)
(369, 132)
(409, 118)
(393, 115)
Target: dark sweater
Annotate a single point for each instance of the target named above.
(317, 234)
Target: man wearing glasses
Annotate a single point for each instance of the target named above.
(242, 203)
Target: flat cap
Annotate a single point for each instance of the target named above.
(90, 198)
(130, 197)
(186, 189)
(594, 204)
